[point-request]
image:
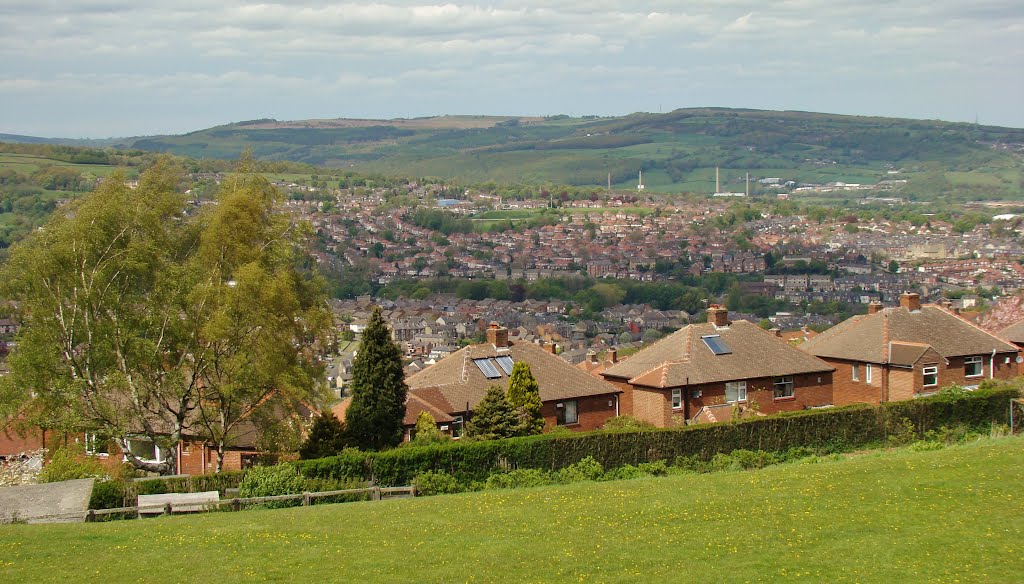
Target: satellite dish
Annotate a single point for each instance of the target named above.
(1020, 359)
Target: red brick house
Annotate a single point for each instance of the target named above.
(452, 387)
(898, 353)
(702, 368)
(1015, 334)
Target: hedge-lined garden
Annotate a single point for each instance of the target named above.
(833, 429)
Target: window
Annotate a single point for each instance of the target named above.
(144, 449)
(567, 413)
(783, 387)
(677, 398)
(716, 344)
(931, 376)
(855, 372)
(457, 427)
(97, 445)
(867, 373)
(736, 391)
(488, 368)
(974, 366)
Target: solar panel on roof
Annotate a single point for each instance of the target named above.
(716, 344)
(505, 362)
(487, 367)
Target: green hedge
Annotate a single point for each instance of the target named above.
(110, 494)
(836, 428)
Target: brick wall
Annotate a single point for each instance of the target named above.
(652, 405)
(846, 391)
(593, 412)
(902, 383)
(954, 372)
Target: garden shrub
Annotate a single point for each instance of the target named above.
(657, 468)
(587, 469)
(70, 463)
(624, 472)
(268, 481)
(926, 445)
(436, 483)
(108, 495)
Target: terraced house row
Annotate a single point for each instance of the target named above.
(708, 372)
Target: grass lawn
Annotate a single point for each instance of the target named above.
(954, 515)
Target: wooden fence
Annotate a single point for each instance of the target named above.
(239, 503)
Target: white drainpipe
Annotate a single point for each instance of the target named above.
(992, 365)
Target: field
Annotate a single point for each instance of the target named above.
(953, 515)
(28, 163)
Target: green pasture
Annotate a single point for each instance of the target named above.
(951, 515)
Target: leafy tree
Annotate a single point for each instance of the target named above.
(524, 395)
(374, 418)
(494, 417)
(141, 320)
(894, 266)
(326, 437)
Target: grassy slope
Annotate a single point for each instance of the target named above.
(679, 150)
(952, 515)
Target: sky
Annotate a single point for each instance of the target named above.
(113, 68)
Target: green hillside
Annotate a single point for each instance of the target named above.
(678, 151)
(952, 515)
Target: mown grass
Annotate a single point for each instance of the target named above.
(940, 516)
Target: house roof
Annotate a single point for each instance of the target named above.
(456, 380)
(1013, 333)
(684, 357)
(866, 337)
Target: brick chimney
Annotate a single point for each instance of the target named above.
(718, 315)
(776, 331)
(497, 335)
(911, 301)
(592, 356)
(551, 348)
(613, 355)
(874, 307)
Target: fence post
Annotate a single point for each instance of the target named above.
(167, 508)
(412, 491)
(305, 499)
(375, 494)
(90, 516)
(236, 505)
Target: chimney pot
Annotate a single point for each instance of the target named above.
(911, 301)
(776, 331)
(874, 307)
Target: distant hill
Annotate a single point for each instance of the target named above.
(85, 142)
(677, 151)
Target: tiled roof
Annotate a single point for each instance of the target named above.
(458, 381)
(685, 358)
(1013, 333)
(866, 337)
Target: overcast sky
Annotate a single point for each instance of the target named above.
(101, 68)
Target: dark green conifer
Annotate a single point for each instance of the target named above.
(374, 419)
(493, 417)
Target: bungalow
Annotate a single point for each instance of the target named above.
(719, 365)
(898, 353)
(451, 388)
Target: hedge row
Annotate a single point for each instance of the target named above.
(835, 428)
(110, 494)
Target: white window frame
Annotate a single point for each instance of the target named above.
(737, 387)
(867, 372)
(458, 427)
(975, 360)
(855, 372)
(930, 370)
(783, 383)
(677, 398)
(156, 449)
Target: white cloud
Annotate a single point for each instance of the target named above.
(203, 59)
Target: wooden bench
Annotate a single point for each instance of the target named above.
(176, 502)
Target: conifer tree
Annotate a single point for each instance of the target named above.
(374, 418)
(326, 437)
(426, 430)
(493, 417)
(524, 395)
